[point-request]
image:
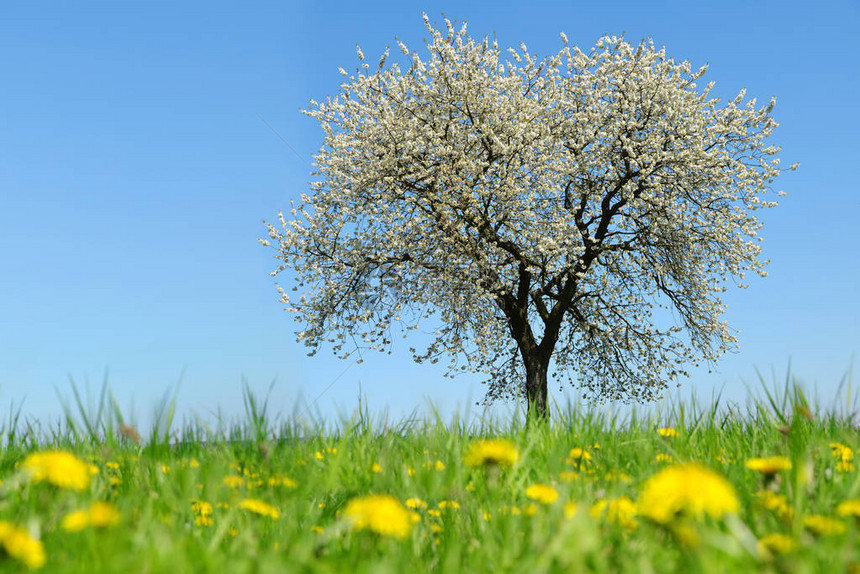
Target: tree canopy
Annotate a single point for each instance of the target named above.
(537, 210)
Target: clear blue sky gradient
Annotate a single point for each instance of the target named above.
(135, 175)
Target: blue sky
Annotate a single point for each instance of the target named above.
(135, 173)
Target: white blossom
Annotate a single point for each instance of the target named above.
(585, 210)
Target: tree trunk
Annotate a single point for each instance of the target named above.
(536, 386)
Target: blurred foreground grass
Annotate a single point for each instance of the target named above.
(772, 488)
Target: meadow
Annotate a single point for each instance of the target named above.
(771, 487)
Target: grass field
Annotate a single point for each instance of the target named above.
(772, 488)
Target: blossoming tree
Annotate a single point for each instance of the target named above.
(534, 210)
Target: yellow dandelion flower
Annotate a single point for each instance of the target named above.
(491, 452)
(202, 512)
(410, 471)
(59, 468)
(434, 512)
(114, 480)
(281, 480)
(317, 529)
(453, 504)
(667, 432)
(570, 509)
(440, 465)
(103, 514)
(436, 528)
(165, 468)
(18, 544)
(376, 467)
(233, 481)
(769, 465)
(380, 513)
(689, 489)
(841, 452)
(663, 457)
(843, 466)
(201, 507)
(823, 525)
(415, 503)
(621, 511)
(318, 455)
(98, 515)
(75, 521)
(579, 454)
(530, 509)
(542, 493)
(487, 516)
(770, 500)
(776, 544)
(849, 507)
(112, 465)
(778, 503)
(259, 507)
